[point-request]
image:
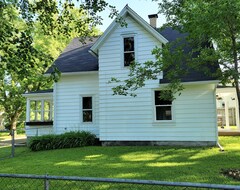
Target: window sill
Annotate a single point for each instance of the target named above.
(87, 123)
(40, 123)
(166, 122)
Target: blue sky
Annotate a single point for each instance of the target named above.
(141, 7)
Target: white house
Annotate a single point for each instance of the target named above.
(82, 99)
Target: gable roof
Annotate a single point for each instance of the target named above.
(193, 74)
(127, 11)
(79, 57)
(76, 57)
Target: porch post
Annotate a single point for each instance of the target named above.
(237, 113)
(226, 113)
(28, 110)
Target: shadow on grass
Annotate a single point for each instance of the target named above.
(202, 164)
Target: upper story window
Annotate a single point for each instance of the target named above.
(87, 109)
(41, 110)
(163, 108)
(129, 54)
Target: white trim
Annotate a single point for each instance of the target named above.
(28, 110)
(194, 82)
(215, 112)
(55, 108)
(40, 95)
(81, 109)
(80, 73)
(76, 73)
(42, 110)
(155, 121)
(127, 11)
(42, 100)
(128, 35)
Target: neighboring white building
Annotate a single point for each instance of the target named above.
(227, 107)
(83, 100)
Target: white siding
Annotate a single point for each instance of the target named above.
(68, 103)
(132, 119)
(32, 131)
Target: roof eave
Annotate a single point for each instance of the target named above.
(147, 26)
(196, 82)
(32, 95)
(127, 10)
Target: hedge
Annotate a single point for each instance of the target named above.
(66, 140)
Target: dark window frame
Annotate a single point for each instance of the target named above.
(87, 109)
(129, 53)
(163, 108)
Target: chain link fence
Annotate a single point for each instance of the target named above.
(45, 182)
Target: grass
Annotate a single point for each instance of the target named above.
(201, 164)
(6, 136)
(3, 134)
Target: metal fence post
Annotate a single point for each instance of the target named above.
(13, 143)
(46, 182)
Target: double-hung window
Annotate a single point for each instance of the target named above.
(87, 109)
(163, 108)
(129, 53)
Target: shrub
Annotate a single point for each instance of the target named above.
(21, 128)
(66, 140)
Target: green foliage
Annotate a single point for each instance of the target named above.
(21, 128)
(140, 73)
(179, 164)
(214, 33)
(33, 33)
(217, 22)
(66, 140)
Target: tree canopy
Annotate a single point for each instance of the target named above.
(216, 23)
(32, 34)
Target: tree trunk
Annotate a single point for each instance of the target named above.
(238, 95)
(14, 120)
(236, 73)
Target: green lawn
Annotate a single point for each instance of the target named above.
(202, 165)
(3, 134)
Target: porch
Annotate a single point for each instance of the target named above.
(229, 131)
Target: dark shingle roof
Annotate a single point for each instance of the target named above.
(76, 58)
(41, 91)
(192, 74)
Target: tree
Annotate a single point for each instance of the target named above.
(214, 34)
(28, 35)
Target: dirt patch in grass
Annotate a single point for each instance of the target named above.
(233, 173)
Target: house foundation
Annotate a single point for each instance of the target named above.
(159, 143)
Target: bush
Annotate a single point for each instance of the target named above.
(21, 128)
(66, 140)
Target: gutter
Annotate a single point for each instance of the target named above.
(93, 53)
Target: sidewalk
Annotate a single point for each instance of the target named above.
(19, 139)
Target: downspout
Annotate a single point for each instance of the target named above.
(221, 148)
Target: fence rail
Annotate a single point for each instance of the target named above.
(46, 182)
